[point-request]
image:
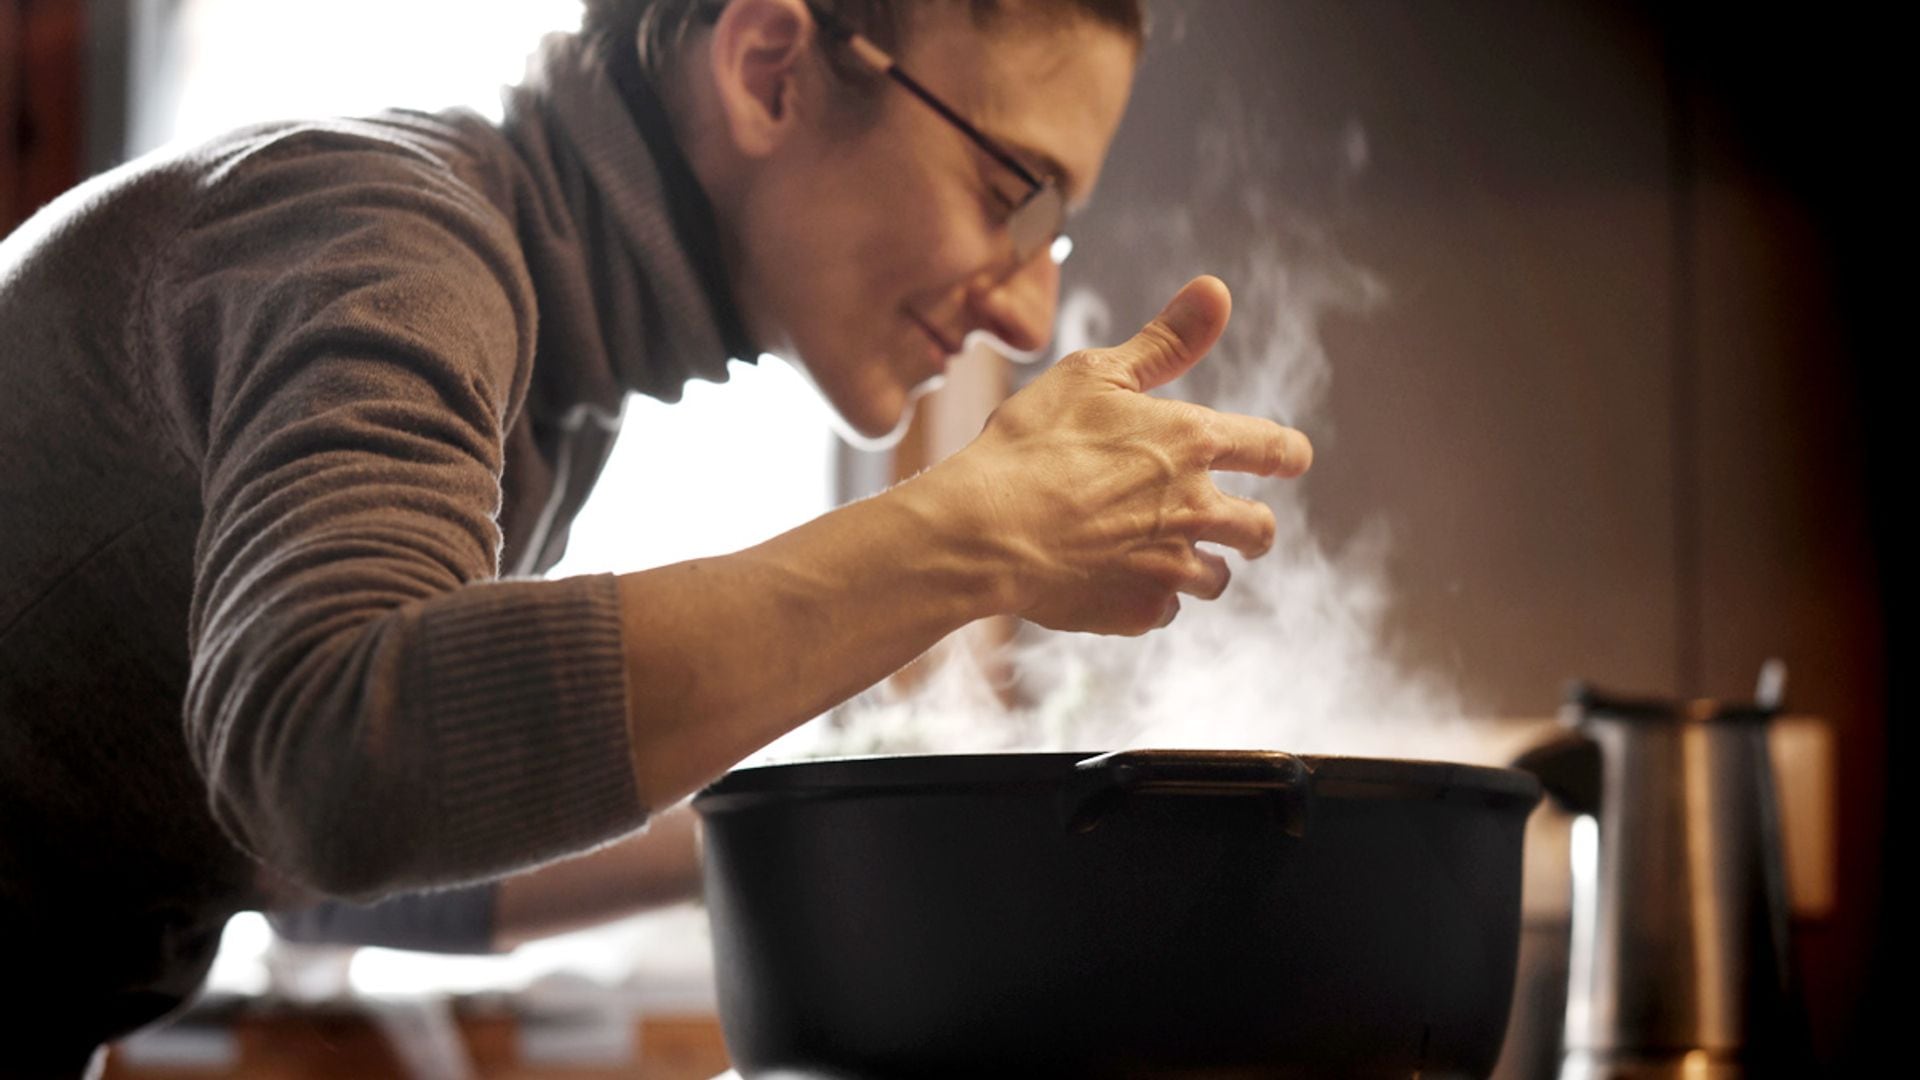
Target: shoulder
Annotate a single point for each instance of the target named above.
(434, 167)
(399, 223)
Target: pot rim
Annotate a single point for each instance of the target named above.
(1330, 776)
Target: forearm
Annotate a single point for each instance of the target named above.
(650, 869)
(726, 654)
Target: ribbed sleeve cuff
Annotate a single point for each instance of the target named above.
(526, 691)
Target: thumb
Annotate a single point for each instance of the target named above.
(1178, 337)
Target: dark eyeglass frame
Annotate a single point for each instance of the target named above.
(1034, 222)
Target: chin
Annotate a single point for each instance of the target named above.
(880, 427)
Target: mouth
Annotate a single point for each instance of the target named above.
(947, 347)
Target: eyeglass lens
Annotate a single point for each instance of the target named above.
(1036, 222)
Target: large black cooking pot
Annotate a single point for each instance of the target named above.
(1145, 913)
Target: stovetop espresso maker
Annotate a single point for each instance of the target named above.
(1680, 963)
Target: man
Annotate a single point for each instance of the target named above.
(292, 419)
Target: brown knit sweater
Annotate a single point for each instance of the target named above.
(288, 421)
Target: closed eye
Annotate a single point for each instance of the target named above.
(997, 184)
(1003, 206)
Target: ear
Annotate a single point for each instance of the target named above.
(756, 57)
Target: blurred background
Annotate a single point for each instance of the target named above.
(1587, 306)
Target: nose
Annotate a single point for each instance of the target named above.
(1018, 306)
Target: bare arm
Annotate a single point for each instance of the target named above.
(1078, 507)
(726, 654)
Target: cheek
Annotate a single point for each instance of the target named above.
(922, 230)
(901, 242)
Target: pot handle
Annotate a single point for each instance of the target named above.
(1105, 782)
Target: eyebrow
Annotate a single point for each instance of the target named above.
(1041, 162)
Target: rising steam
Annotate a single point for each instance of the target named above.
(1292, 656)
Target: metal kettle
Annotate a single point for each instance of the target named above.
(1680, 964)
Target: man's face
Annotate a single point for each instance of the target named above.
(870, 251)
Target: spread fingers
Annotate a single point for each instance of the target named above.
(1245, 525)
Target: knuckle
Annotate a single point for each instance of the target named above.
(1079, 361)
(1084, 365)
(1275, 446)
(1197, 500)
(1191, 422)
(1164, 565)
(1159, 340)
(1207, 436)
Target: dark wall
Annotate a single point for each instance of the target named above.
(42, 103)
(1609, 404)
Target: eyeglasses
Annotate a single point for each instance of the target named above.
(1035, 221)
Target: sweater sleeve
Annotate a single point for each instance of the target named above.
(349, 330)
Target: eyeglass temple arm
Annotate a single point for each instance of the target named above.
(876, 58)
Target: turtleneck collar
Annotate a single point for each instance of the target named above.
(687, 204)
(617, 226)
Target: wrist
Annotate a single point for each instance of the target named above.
(966, 535)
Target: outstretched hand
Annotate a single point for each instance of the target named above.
(1098, 494)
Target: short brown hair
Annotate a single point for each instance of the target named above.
(662, 26)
